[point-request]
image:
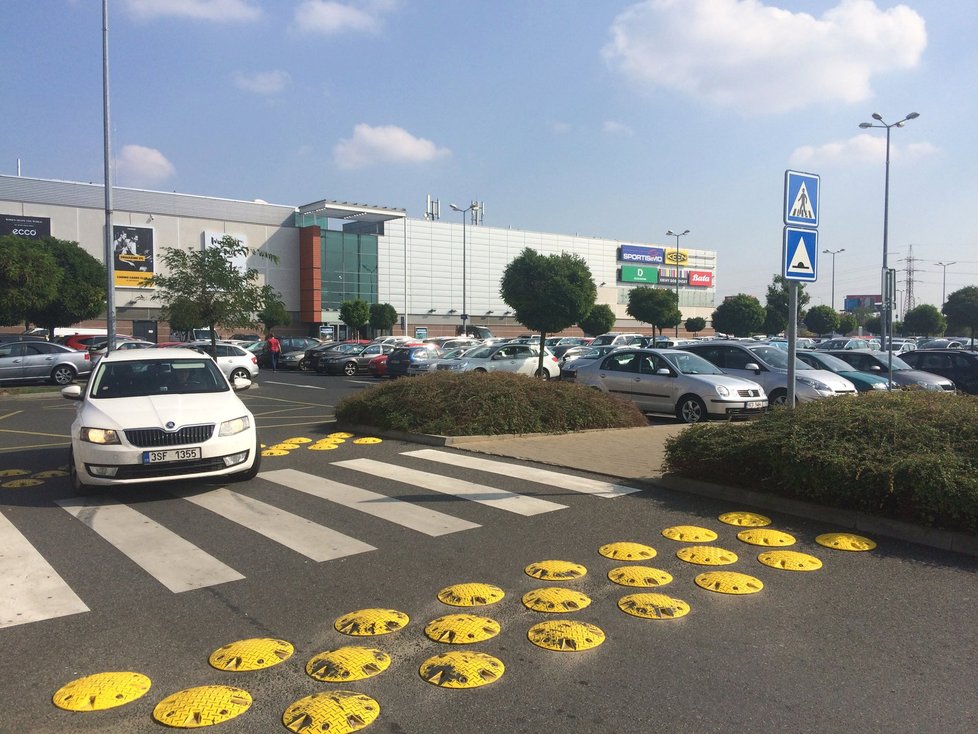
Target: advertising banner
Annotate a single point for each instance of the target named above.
(32, 228)
(213, 239)
(646, 255)
(677, 257)
(636, 274)
(700, 278)
(132, 249)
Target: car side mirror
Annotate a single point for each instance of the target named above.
(240, 383)
(875, 368)
(663, 371)
(72, 392)
(753, 366)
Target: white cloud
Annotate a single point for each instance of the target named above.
(560, 128)
(611, 127)
(263, 82)
(757, 58)
(328, 17)
(858, 149)
(384, 144)
(140, 166)
(218, 10)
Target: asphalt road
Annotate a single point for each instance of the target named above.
(881, 641)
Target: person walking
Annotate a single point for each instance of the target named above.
(274, 348)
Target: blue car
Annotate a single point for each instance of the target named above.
(402, 357)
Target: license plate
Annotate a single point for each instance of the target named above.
(156, 457)
(754, 405)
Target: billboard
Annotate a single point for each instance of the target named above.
(32, 228)
(132, 254)
(212, 239)
(700, 278)
(677, 257)
(636, 254)
(638, 274)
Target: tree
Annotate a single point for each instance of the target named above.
(654, 306)
(847, 324)
(774, 321)
(924, 320)
(548, 293)
(207, 286)
(81, 288)
(29, 278)
(961, 309)
(695, 324)
(383, 316)
(777, 304)
(873, 324)
(599, 320)
(822, 320)
(355, 314)
(740, 315)
(274, 313)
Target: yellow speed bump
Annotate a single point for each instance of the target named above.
(336, 712)
(462, 669)
(564, 635)
(367, 622)
(253, 654)
(284, 447)
(764, 536)
(366, 440)
(19, 483)
(641, 576)
(624, 551)
(340, 434)
(689, 534)
(706, 555)
(347, 663)
(322, 446)
(744, 519)
(790, 560)
(101, 691)
(13, 472)
(653, 606)
(555, 570)
(299, 439)
(470, 595)
(729, 582)
(50, 473)
(202, 706)
(845, 541)
(554, 600)
(274, 452)
(461, 629)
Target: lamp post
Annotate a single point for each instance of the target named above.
(465, 314)
(677, 235)
(887, 320)
(833, 253)
(944, 282)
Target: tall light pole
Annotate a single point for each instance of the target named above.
(677, 235)
(465, 314)
(944, 282)
(833, 253)
(887, 320)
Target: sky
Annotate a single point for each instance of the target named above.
(619, 119)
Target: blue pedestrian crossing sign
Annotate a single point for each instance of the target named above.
(800, 254)
(801, 199)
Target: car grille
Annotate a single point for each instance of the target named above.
(170, 468)
(751, 393)
(153, 437)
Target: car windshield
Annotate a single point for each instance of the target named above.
(898, 364)
(156, 377)
(829, 362)
(691, 364)
(778, 358)
(480, 353)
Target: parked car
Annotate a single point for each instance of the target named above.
(589, 352)
(902, 345)
(768, 365)
(842, 343)
(84, 341)
(401, 358)
(149, 415)
(670, 381)
(904, 375)
(234, 361)
(615, 338)
(378, 365)
(944, 344)
(522, 359)
(864, 381)
(41, 361)
(321, 357)
(287, 343)
(97, 349)
(424, 366)
(958, 365)
(353, 361)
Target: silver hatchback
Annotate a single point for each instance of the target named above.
(42, 360)
(670, 381)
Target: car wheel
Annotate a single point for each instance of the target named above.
(302, 364)
(778, 397)
(255, 467)
(77, 485)
(350, 369)
(543, 375)
(63, 374)
(479, 369)
(240, 372)
(691, 409)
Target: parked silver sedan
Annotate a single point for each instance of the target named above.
(670, 381)
(43, 361)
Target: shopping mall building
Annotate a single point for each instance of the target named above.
(327, 252)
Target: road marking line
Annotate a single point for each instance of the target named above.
(312, 540)
(173, 561)
(32, 589)
(543, 476)
(485, 495)
(10, 414)
(387, 508)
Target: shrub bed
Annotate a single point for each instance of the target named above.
(909, 454)
(470, 404)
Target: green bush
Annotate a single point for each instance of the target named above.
(469, 403)
(909, 454)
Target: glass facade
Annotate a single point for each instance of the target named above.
(349, 269)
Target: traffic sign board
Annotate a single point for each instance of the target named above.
(799, 256)
(801, 199)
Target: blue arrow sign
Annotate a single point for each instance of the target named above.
(801, 199)
(800, 254)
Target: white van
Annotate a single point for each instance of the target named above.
(617, 339)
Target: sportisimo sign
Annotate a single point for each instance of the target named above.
(636, 254)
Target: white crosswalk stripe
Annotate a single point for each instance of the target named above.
(485, 495)
(532, 474)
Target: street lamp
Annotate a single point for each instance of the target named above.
(887, 321)
(944, 283)
(677, 235)
(833, 253)
(465, 314)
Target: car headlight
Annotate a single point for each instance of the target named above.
(235, 426)
(814, 384)
(99, 435)
(722, 391)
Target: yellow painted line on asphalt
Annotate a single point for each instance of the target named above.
(35, 433)
(10, 414)
(11, 449)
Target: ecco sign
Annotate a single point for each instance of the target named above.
(33, 228)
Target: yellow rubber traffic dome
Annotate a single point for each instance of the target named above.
(744, 519)
(101, 691)
(555, 570)
(336, 712)
(653, 606)
(565, 635)
(461, 629)
(845, 541)
(462, 669)
(366, 622)
(347, 663)
(728, 582)
(555, 600)
(470, 594)
(640, 576)
(766, 537)
(706, 555)
(790, 560)
(690, 534)
(192, 708)
(626, 551)
(253, 654)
